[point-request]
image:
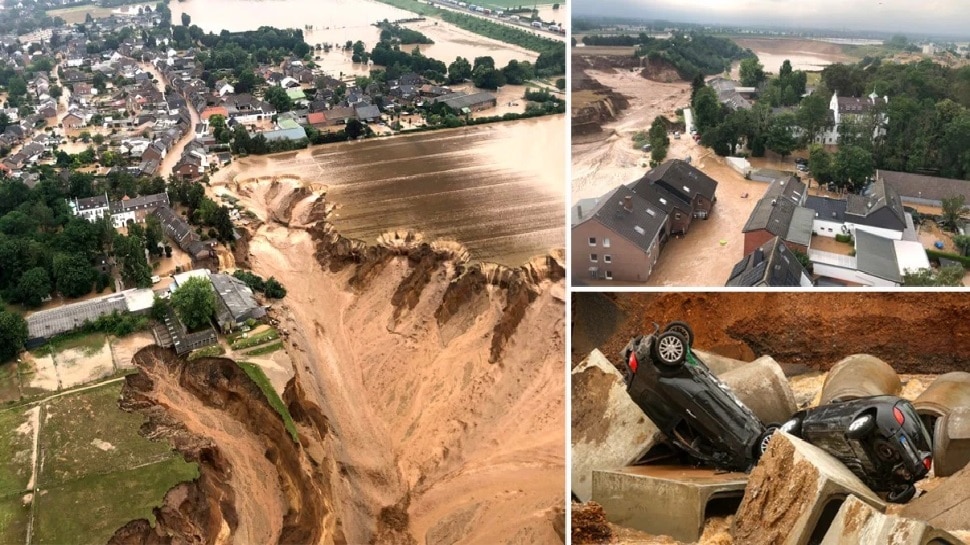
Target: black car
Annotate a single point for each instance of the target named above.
(880, 438)
(697, 413)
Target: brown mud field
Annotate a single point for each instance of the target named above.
(496, 189)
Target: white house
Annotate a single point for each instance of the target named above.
(848, 109)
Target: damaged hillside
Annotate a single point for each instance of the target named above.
(770, 418)
(426, 396)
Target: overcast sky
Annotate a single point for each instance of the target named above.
(919, 17)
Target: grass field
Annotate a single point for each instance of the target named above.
(266, 349)
(15, 454)
(256, 373)
(14, 518)
(78, 14)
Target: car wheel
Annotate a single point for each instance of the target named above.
(761, 446)
(901, 495)
(861, 426)
(884, 451)
(670, 349)
(683, 329)
(793, 427)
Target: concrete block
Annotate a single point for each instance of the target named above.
(947, 506)
(762, 386)
(717, 363)
(666, 500)
(951, 442)
(859, 375)
(792, 493)
(858, 523)
(608, 429)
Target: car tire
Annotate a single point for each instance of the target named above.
(901, 494)
(669, 349)
(683, 329)
(861, 427)
(883, 451)
(761, 445)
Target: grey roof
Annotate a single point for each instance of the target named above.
(640, 224)
(682, 180)
(459, 101)
(140, 203)
(827, 208)
(917, 186)
(583, 206)
(48, 323)
(238, 302)
(770, 265)
(876, 255)
(285, 134)
(800, 229)
(771, 214)
(367, 112)
(879, 197)
(789, 187)
(89, 203)
(175, 227)
(858, 105)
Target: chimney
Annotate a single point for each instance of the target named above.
(628, 203)
(579, 211)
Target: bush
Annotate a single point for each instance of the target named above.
(843, 238)
(935, 255)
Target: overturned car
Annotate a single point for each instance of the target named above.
(698, 414)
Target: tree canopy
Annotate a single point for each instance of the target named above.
(195, 302)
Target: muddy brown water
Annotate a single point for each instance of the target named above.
(497, 189)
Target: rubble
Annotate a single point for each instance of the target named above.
(792, 491)
(947, 506)
(589, 525)
(860, 524)
(608, 429)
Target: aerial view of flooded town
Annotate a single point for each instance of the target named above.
(751, 141)
(282, 271)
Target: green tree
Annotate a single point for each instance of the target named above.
(820, 163)
(274, 290)
(354, 128)
(813, 116)
(130, 252)
(279, 99)
(186, 19)
(779, 138)
(459, 70)
(752, 72)
(33, 287)
(73, 275)
(962, 242)
(659, 142)
(485, 77)
(852, 167)
(707, 109)
(194, 302)
(951, 276)
(13, 334)
(953, 209)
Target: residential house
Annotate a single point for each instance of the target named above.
(184, 235)
(91, 208)
(878, 261)
(236, 302)
(618, 237)
(878, 211)
(770, 265)
(925, 190)
(73, 122)
(136, 209)
(462, 103)
(368, 114)
(862, 110)
(729, 93)
(679, 189)
(779, 213)
(292, 134)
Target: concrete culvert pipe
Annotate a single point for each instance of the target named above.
(859, 375)
(762, 386)
(945, 409)
(944, 394)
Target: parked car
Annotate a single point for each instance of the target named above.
(881, 439)
(697, 413)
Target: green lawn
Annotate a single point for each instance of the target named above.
(266, 349)
(87, 434)
(15, 453)
(256, 373)
(92, 508)
(9, 383)
(239, 342)
(14, 518)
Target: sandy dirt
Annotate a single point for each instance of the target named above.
(43, 371)
(476, 448)
(123, 349)
(32, 426)
(809, 55)
(76, 367)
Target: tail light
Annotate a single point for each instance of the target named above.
(633, 362)
(899, 415)
(928, 462)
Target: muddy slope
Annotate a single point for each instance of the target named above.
(916, 332)
(217, 417)
(427, 388)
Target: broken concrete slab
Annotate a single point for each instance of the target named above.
(666, 500)
(947, 506)
(859, 375)
(608, 429)
(762, 386)
(717, 363)
(792, 493)
(858, 523)
(951, 442)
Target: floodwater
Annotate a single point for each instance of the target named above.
(799, 61)
(336, 22)
(497, 189)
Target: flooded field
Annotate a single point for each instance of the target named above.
(808, 55)
(497, 189)
(336, 21)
